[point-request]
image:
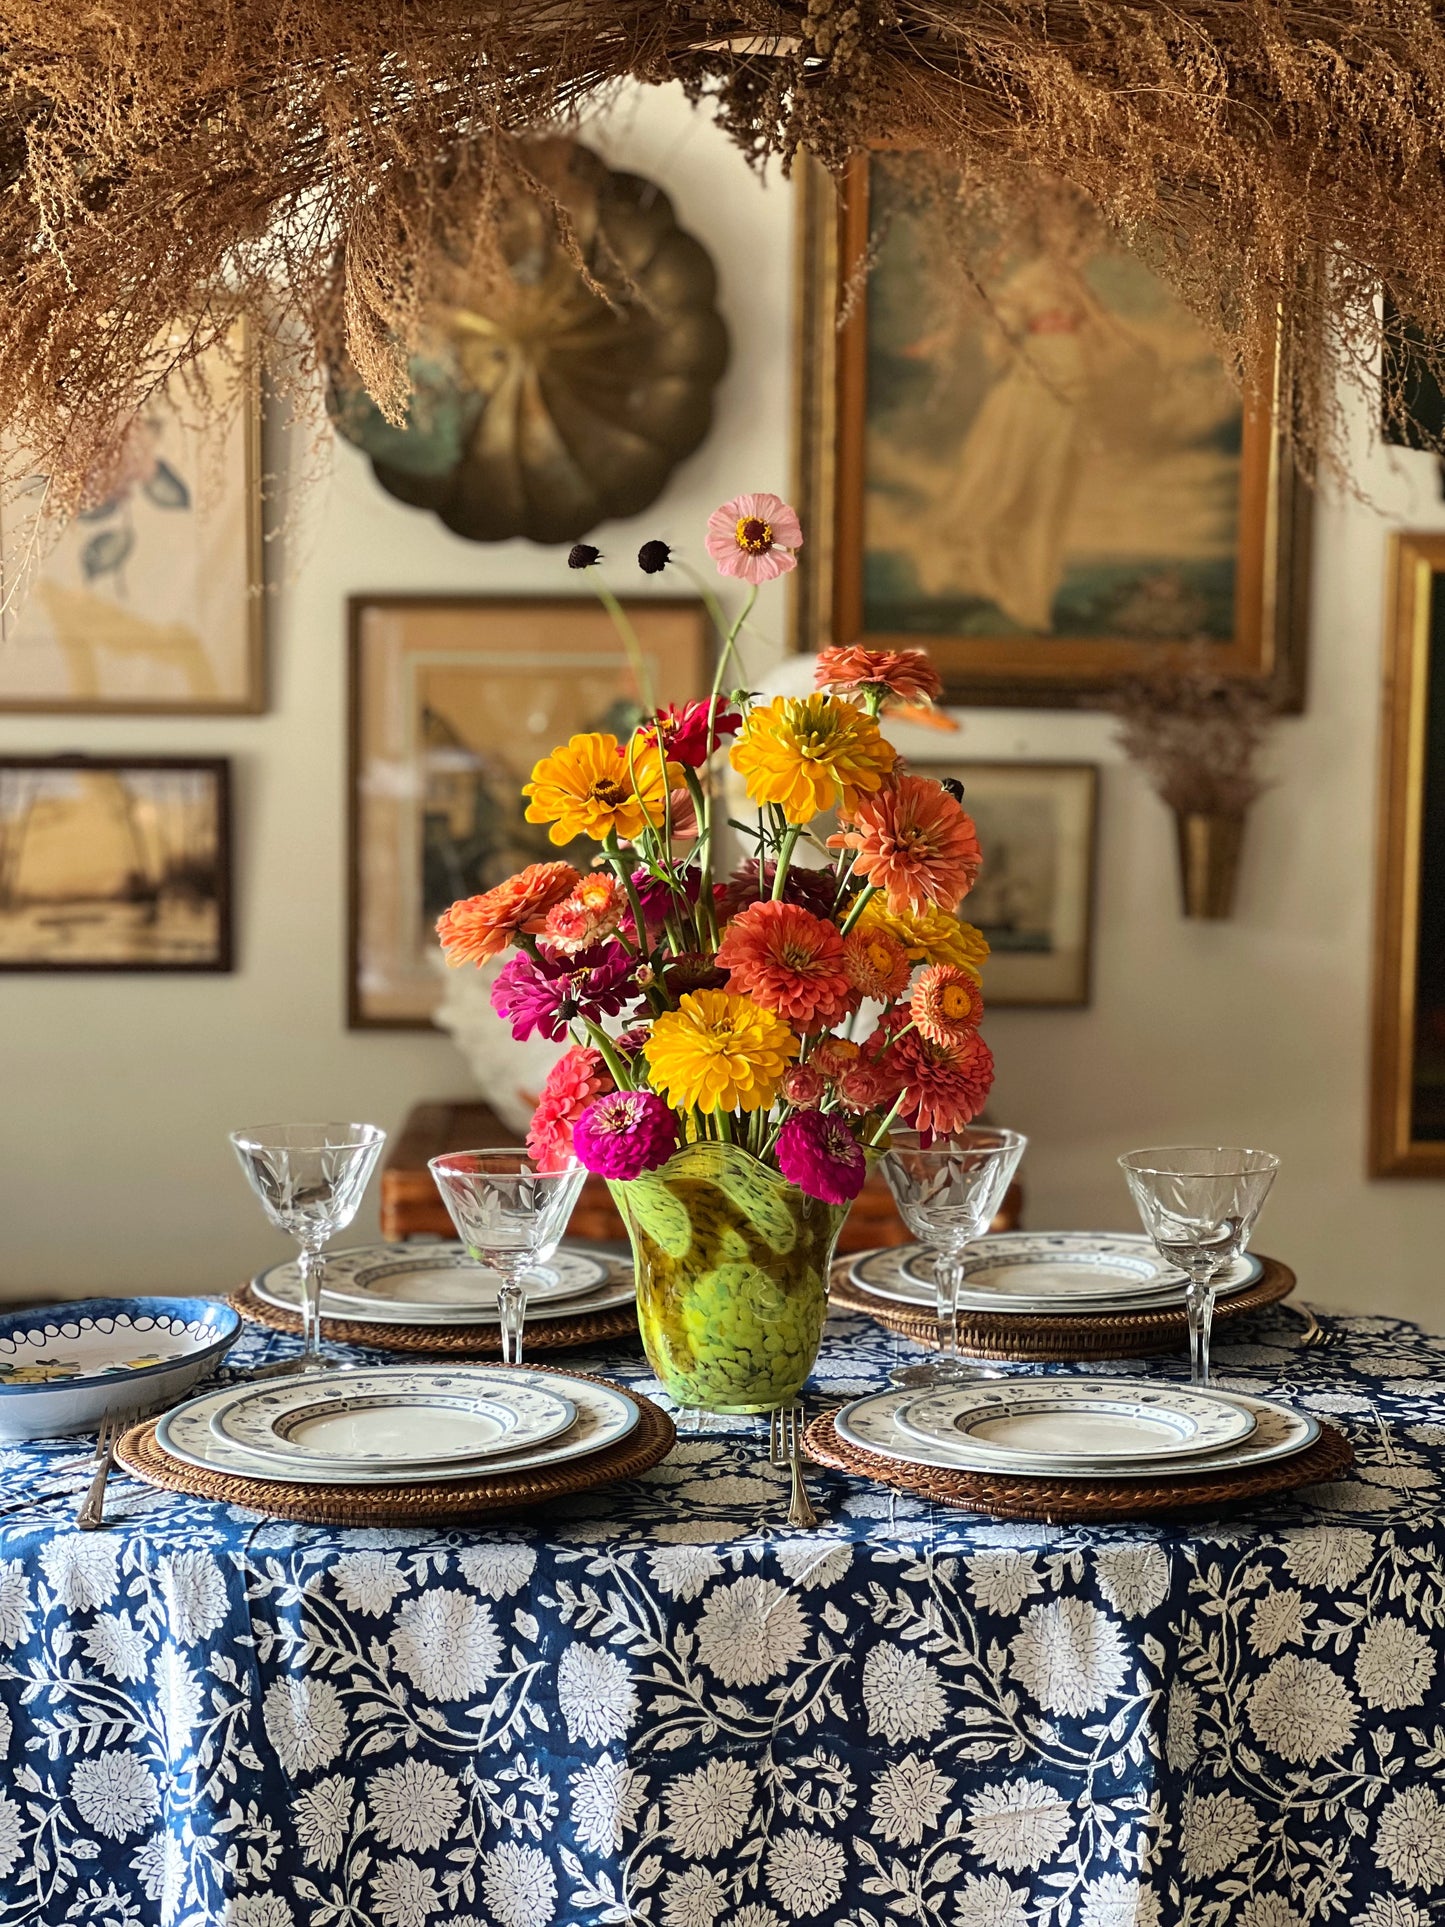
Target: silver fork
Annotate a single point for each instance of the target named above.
(785, 1447)
(1314, 1335)
(91, 1514)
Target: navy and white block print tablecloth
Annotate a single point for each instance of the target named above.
(660, 1705)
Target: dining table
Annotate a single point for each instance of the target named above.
(658, 1702)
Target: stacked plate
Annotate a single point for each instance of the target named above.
(1070, 1273)
(1072, 1428)
(395, 1425)
(442, 1285)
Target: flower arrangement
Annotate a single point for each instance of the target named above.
(731, 1009)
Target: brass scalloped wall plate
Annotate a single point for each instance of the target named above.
(541, 405)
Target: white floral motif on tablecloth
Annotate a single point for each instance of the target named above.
(657, 1707)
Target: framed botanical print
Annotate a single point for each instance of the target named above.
(1049, 485)
(115, 863)
(1407, 1111)
(1034, 900)
(149, 601)
(453, 699)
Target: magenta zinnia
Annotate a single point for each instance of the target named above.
(818, 1153)
(623, 1135)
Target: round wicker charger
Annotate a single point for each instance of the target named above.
(451, 1341)
(1077, 1501)
(1074, 1335)
(427, 1502)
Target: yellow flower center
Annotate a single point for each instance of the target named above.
(755, 537)
(878, 957)
(955, 1003)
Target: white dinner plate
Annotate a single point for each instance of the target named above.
(1056, 1421)
(391, 1415)
(605, 1414)
(1053, 1272)
(872, 1424)
(443, 1279)
(276, 1287)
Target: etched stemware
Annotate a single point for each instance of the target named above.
(1198, 1203)
(310, 1179)
(948, 1191)
(511, 1217)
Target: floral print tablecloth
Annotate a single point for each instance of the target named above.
(659, 1705)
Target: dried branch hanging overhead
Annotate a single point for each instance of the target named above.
(322, 165)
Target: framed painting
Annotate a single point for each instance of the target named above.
(1035, 898)
(453, 699)
(115, 863)
(1048, 486)
(1407, 1112)
(150, 600)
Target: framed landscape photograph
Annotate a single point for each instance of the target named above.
(115, 863)
(149, 601)
(1049, 481)
(1035, 898)
(1407, 1111)
(453, 699)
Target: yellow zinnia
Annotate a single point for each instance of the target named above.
(719, 1051)
(588, 787)
(808, 753)
(929, 935)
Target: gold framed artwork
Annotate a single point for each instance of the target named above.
(150, 600)
(452, 701)
(115, 863)
(1407, 1111)
(1048, 487)
(1034, 901)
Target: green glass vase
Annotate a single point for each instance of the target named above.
(732, 1277)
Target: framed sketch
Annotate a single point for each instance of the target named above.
(1407, 1112)
(1035, 898)
(115, 863)
(149, 601)
(1048, 485)
(453, 699)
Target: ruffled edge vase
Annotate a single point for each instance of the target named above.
(732, 1276)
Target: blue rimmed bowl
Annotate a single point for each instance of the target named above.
(63, 1368)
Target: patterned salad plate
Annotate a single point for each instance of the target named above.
(1049, 1425)
(603, 1416)
(393, 1416)
(1048, 1272)
(66, 1368)
(433, 1283)
(874, 1424)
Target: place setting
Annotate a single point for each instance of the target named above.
(962, 1431)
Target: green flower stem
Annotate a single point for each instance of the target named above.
(708, 595)
(886, 1126)
(602, 1042)
(785, 857)
(724, 1125)
(629, 638)
(868, 890)
(623, 872)
(729, 647)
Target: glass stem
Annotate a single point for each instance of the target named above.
(1199, 1306)
(512, 1311)
(313, 1272)
(948, 1270)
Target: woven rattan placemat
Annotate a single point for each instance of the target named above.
(451, 1341)
(1081, 1501)
(434, 1502)
(1026, 1335)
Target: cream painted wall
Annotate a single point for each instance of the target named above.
(119, 1092)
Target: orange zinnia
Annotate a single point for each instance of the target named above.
(946, 1003)
(945, 1086)
(788, 961)
(914, 842)
(889, 675)
(482, 927)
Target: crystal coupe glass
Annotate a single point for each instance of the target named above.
(948, 1191)
(511, 1217)
(1199, 1203)
(310, 1179)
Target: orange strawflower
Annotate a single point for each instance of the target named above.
(482, 927)
(808, 753)
(788, 961)
(592, 912)
(888, 675)
(834, 1056)
(914, 842)
(876, 964)
(946, 1003)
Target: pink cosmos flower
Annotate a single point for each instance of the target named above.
(754, 537)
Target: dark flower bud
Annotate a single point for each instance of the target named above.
(953, 786)
(582, 555)
(653, 557)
